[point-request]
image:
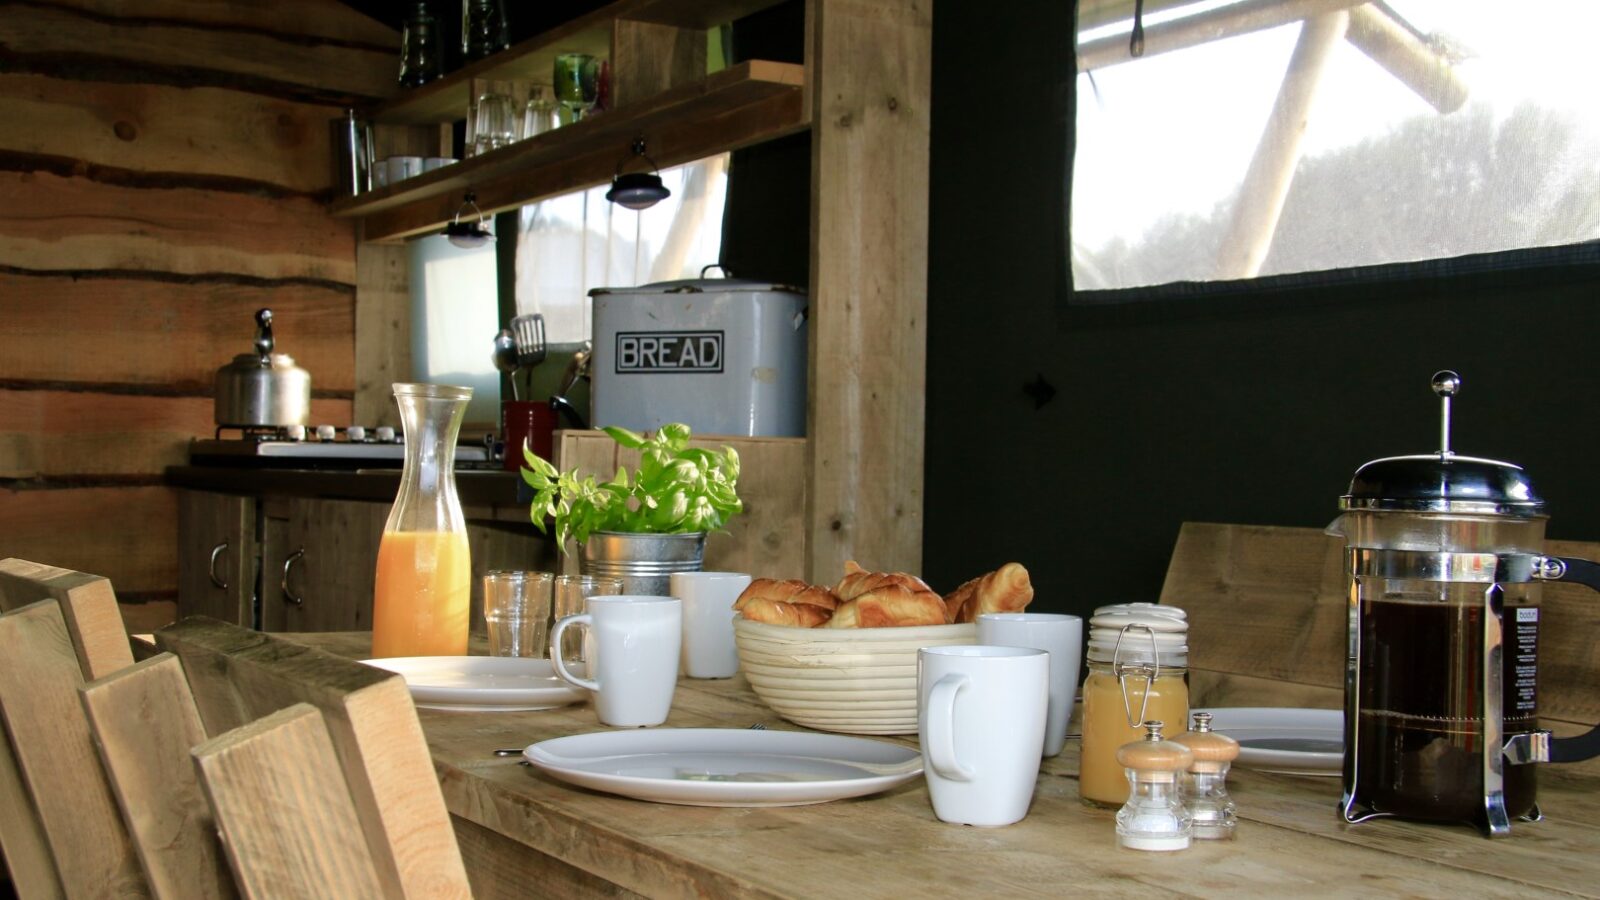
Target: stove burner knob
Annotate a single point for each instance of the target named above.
(295, 432)
(326, 432)
(356, 433)
(384, 434)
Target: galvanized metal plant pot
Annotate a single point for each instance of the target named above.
(644, 562)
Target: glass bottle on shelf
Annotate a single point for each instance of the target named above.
(1154, 818)
(419, 47)
(1205, 790)
(1138, 658)
(424, 578)
(483, 29)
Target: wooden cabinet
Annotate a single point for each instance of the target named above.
(216, 556)
(284, 563)
(318, 561)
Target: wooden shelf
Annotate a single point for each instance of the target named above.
(446, 99)
(748, 103)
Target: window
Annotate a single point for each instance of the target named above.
(1432, 129)
(572, 244)
(453, 316)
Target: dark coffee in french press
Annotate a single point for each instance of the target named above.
(1444, 557)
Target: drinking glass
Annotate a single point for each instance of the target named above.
(539, 115)
(516, 612)
(577, 84)
(496, 123)
(570, 593)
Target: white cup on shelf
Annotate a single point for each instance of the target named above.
(1059, 635)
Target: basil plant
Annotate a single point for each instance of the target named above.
(675, 489)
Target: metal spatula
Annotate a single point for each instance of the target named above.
(528, 331)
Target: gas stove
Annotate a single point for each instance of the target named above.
(322, 447)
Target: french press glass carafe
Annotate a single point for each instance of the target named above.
(1444, 557)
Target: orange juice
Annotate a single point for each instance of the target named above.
(424, 587)
(1101, 779)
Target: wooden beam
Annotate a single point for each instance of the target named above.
(870, 71)
(1266, 183)
(1190, 31)
(1405, 56)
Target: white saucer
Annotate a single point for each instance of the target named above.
(1289, 741)
(481, 683)
(726, 767)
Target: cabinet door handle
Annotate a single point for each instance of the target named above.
(288, 595)
(212, 569)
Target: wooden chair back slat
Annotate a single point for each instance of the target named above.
(22, 838)
(56, 760)
(88, 605)
(288, 821)
(239, 675)
(145, 723)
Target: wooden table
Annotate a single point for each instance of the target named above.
(524, 834)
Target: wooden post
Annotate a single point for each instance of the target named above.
(646, 59)
(869, 69)
(1266, 184)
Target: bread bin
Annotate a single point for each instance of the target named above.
(722, 355)
(262, 389)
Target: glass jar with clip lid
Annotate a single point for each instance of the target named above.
(1138, 659)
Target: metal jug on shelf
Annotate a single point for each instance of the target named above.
(1444, 562)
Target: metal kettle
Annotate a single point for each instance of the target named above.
(1444, 562)
(262, 389)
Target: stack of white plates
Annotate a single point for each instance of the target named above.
(850, 680)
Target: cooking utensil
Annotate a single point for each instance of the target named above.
(529, 334)
(577, 368)
(505, 357)
(1445, 558)
(262, 389)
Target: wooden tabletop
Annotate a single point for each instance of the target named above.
(1290, 841)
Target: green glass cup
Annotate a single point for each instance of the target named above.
(577, 84)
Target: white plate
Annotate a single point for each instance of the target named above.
(481, 683)
(1291, 741)
(726, 767)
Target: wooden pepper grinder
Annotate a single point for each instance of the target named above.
(1205, 785)
(1154, 817)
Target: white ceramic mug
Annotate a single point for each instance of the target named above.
(708, 648)
(633, 655)
(980, 718)
(1057, 634)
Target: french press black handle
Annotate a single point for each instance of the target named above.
(1579, 571)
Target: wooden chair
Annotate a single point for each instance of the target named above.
(59, 824)
(146, 724)
(239, 676)
(285, 809)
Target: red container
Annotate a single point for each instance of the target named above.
(526, 420)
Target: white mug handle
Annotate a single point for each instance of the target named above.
(587, 621)
(941, 728)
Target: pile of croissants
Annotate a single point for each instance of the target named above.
(865, 599)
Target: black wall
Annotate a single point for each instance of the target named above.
(1208, 410)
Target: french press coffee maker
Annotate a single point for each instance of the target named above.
(1444, 557)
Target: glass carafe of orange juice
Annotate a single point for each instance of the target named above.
(424, 571)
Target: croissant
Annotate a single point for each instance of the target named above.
(792, 603)
(890, 606)
(858, 581)
(885, 599)
(1006, 589)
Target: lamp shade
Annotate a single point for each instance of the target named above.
(637, 190)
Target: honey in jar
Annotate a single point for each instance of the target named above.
(1138, 658)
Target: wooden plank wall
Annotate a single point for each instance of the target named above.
(164, 172)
